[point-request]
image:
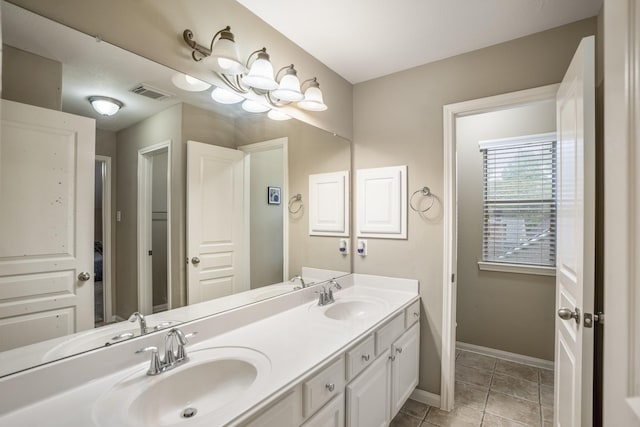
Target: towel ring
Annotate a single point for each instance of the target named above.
(425, 192)
(292, 201)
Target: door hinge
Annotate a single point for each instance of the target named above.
(590, 319)
(150, 253)
(453, 278)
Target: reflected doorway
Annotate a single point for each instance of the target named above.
(102, 242)
(154, 219)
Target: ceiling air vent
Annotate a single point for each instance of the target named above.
(150, 92)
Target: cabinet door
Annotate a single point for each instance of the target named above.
(286, 412)
(368, 395)
(404, 367)
(332, 415)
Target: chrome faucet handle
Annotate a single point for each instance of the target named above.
(322, 296)
(330, 297)
(334, 283)
(155, 366)
(143, 322)
(169, 355)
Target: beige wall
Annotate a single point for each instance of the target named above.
(398, 120)
(153, 29)
(31, 79)
(311, 151)
(266, 220)
(161, 127)
(487, 298)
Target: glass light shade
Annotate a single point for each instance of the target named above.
(261, 74)
(254, 107)
(312, 99)
(277, 115)
(225, 56)
(188, 83)
(104, 105)
(224, 96)
(289, 88)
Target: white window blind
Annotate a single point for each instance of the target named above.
(519, 201)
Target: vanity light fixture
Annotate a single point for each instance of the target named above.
(254, 106)
(260, 79)
(224, 96)
(105, 105)
(278, 115)
(313, 100)
(188, 83)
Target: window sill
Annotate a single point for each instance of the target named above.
(517, 268)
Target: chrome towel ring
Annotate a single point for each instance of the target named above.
(295, 201)
(426, 192)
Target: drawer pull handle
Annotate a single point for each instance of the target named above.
(366, 357)
(399, 350)
(392, 357)
(331, 387)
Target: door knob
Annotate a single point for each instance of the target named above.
(566, 314)
(84, 276)
(195, 260)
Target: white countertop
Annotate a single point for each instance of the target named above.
(296, 339)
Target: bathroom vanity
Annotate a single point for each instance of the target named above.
(285, 361)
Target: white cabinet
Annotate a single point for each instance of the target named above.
(404, 367)
(332, 415)
(319, 389)
(368, 396)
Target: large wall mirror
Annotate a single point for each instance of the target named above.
(176, 207)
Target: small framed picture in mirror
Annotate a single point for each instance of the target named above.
(274, 195)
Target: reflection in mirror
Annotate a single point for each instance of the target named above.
(175, 206)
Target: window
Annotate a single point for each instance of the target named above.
(519, 203)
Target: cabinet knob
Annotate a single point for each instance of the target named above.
(392, 357)
(331, 387)
(415, 314)
(366, 357)
(399, 350)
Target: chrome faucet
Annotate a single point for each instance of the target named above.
(143, 322)
(325, 296)
(172, 358)
(298, 277)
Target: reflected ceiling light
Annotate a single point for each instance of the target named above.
(223, 52)
(278, 115)
(105, 106)
(224, 96)
(261, 72)
(289, 88)
(254, 107)
(188, 83)
(313, 100)
(259, 78)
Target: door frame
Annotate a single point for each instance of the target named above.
(108, 284)
(450, 268)
(268, 145)
(144, 265)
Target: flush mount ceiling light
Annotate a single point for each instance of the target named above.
(105, 106)
(224, 96)
(188, 83)
(259, 79)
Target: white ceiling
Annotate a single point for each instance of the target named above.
(365, 39)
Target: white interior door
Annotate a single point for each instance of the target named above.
(215, 216)
(576, 240)
(46, 224)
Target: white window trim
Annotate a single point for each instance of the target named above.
(517, 268)
(518, 140)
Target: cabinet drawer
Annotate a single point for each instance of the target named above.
(332, 415)
(360, 357)
(389, 332)
(319, 389)
(412, 314)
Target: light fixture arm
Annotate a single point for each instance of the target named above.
(199, 52)
(312, 82)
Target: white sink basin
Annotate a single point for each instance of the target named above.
(351, 309)
(212, 383)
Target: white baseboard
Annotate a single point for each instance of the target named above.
(425, 397)
(505, 355)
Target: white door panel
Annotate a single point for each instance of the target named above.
(576, 239)
(214, 221)
(46, 222)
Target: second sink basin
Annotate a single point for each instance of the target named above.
(212, 383)
(351, 309)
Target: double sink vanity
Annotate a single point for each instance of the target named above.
(295, 359)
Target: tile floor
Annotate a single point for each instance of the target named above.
(490, 392)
